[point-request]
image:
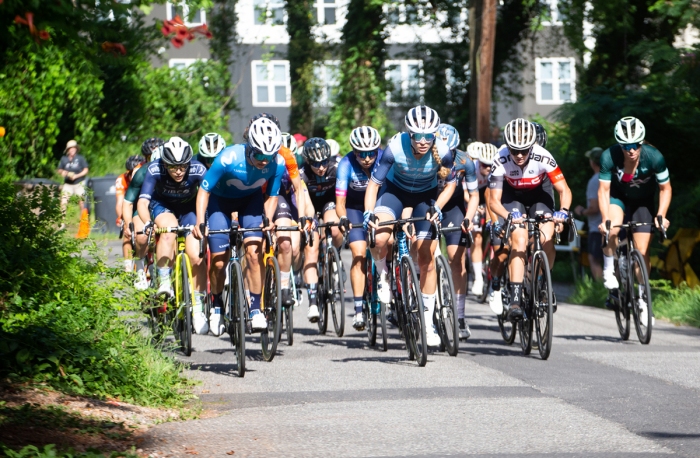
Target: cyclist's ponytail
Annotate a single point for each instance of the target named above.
(444, 171)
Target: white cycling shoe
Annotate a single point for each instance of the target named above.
(141, 283)
(216, 323)
(496, 301)
(165, 289)
(610, 280)
(643, 313)
(257, 320)
(313, 314)
(201, 325)
(478, 286)
(464, 331)
(431, 336)
(384, 288)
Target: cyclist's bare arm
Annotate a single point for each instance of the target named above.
(472, 199)
(665, 193)
(604, 203)
(142, 208)
(270, 207)
(299, 192)
(496, 206)
(201, 209)
(564, 193)
(340, 209)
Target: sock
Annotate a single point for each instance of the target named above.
(515, 291)
(641, 288)
(608, 263)
(164, 275)
(255, 301)
(380, 265)
(284, 279)
(139, 263)
(358, 304)
(129, 265)
(460, 305)
(217, 301)
(312, 289)
(199, 301)
(478, 271)
(429, 302)
(496, 283)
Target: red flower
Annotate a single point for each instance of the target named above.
(182, 32)
(178, 20)
(44, 35)
(166, 29)
(177, 42)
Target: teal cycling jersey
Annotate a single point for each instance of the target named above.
(402, 168)
(651, 165)
(231, 175)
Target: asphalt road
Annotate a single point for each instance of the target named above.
(326, 396)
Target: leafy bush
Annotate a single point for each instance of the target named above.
(49, 451)
(679, 305)
(589, 292)
(67, 320)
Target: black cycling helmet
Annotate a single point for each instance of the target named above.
(133, 162)
(149, 145)
(541, 134)
(269, 116)
(316, 149)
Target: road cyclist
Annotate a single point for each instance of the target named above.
(210, 145)
(132, 165)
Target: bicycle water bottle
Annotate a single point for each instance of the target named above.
(403, 245)
(622, 267)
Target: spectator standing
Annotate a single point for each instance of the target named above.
(592, 211)
(73, 168)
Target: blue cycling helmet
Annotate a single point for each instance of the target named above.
(449, 135)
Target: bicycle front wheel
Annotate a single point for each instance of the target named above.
(640, 295)
(542, 308)
(445, 307)
(185, 307)
(622, 310)
(236, 313)
(368, 301)
(336, 296)
(289, 324)
(272, 308)
(488, 256)
(415, 311)
(321, 296)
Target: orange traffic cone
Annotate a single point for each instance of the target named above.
(84, 228)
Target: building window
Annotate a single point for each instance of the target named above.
(327, 77)
(181, 64)
(405, 79)
(553, 15)
(271, 85)
(190, 18)
(456, 88)
(269, 12)
(556, 80)
(324, 12)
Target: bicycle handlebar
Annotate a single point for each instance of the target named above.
(607, 232)
(662, 229)
(443, 230)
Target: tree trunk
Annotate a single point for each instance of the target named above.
(485, 70)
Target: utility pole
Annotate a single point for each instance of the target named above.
(482, 37)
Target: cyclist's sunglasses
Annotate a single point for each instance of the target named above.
(366, 154)
(485, 166)
(630, 146)
(519, 152)
(319, 164)
(419, 137)
(180, 168)
(260, 156)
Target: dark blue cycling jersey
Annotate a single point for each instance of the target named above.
(159, 185)
(351, 181)
(464, 171)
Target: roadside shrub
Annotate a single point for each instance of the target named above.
(589, 292)
(68, 320)
(679, 305)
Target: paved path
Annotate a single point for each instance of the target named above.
(330, 397)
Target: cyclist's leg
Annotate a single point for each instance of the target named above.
(516, 266)
(456, 243)
(199, 275)
(285, 215)
(616, 214)
(165, 249)
(219, 218)
(311, 275)
(140, 248)
(389, 207)
(477, 252)
(426, 247)
(642, 234)
(252, 216)
(330, 216)
(358, 248)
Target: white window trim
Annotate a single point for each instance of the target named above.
(270, 84)
(185, 12)
(553, 6)
(323, 98)
(555, 80)
(187, 62)
(320, 5)
(403, 64)
(268, 17)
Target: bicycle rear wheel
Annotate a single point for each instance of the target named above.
(236, 311)
(272, 308)
(382, 321)
(368, 300)
(508, 328)
(185, 308)
(488, 255)
(336, 296)
(446, 307)
(289, 324)
(542, 309)
(622, 311)
(640, 295)
(321, 298)
(414, 308)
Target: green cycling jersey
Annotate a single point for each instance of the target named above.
(641, 186)
(134, 189)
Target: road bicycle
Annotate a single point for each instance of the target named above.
(156, 309)
(488, 255)
(331, 296)
(373, 310)
(408, 300)
(288, 312)
(634, 290)
(445, 315)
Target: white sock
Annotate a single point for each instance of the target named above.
(478, 270)
(139, 263)
(460, 305)
(381, 265)
(284, 279)
(199, 301)
(608, 263)
(429, 302)
(640, 288)
(129, 265)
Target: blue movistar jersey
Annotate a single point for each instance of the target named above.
(351, 181)
(159, 185)
(231, 176)
(399, 165)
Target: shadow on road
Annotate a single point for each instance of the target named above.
(218, 368)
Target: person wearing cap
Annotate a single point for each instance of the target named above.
(592, 212)
(73, 167)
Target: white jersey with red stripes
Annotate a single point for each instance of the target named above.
(540, 169)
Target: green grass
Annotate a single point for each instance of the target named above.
(589, 292)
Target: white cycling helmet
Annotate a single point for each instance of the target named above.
(265, 136)
(211, 144)
(449, 135)
(474, 149)
(290, 142)
(629, 130)
(488, 153)
(177, 151)
(365, 138)
(422, 120)
(520, 134)
(335, 146)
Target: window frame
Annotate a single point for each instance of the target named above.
(556, 21)
(404, 64)
(323, 97)
(556, 80)
(268, 14)
(185, 13)
(320, 6)
(270, 83)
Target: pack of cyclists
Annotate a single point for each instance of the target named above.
(487, 192)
